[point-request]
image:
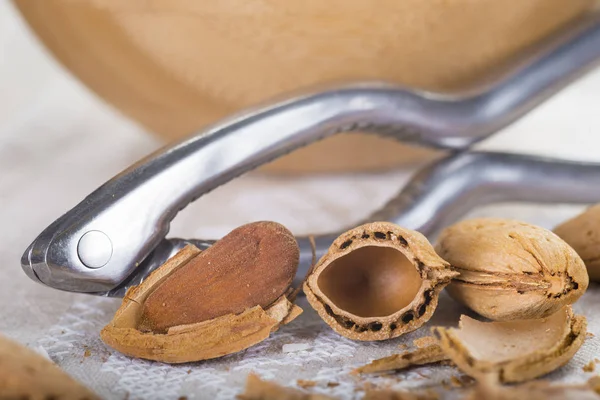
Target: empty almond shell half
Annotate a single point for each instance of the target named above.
(208, 339)
(377, 281)
(513, 351)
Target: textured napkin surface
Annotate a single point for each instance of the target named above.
(58, 142)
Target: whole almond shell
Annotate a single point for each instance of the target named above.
(510, 269)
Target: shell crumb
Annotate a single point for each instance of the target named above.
(425, 341)
(390, 394)
(257, 389)
(305, 384)
(589, 367)
(396, 362)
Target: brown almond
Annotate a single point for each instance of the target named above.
(203, 305)
(253, 265)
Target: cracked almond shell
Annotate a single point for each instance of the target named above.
(391, 394)
(537, 390)
(24, 374)
(513, 351)
(427, 354)
(377, 281)
(510, 269)
(258, 389)
(203, 340)
(583, 234)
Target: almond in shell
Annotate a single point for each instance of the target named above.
(202, 305)
(511, 270)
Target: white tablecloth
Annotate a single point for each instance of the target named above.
(58, 142)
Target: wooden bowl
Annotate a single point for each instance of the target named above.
(176, 66)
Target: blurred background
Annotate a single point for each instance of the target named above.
(89, 87)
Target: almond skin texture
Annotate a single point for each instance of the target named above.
(377, 281)
(510, 269)
(253, 265)
(583, 234)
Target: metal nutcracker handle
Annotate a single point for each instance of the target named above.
(97, 245)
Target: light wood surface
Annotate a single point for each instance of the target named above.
(176, 66)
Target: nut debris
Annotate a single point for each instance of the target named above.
(24, 374)
(257, 389)
(424, 341)
(377, 281)
(399, 395)
(305, 384)
(513, 351)
(583, 234)
(538, 390)
(594, 384)
(427, 354)
(589, 367)
(511, 270)
(170, 316)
